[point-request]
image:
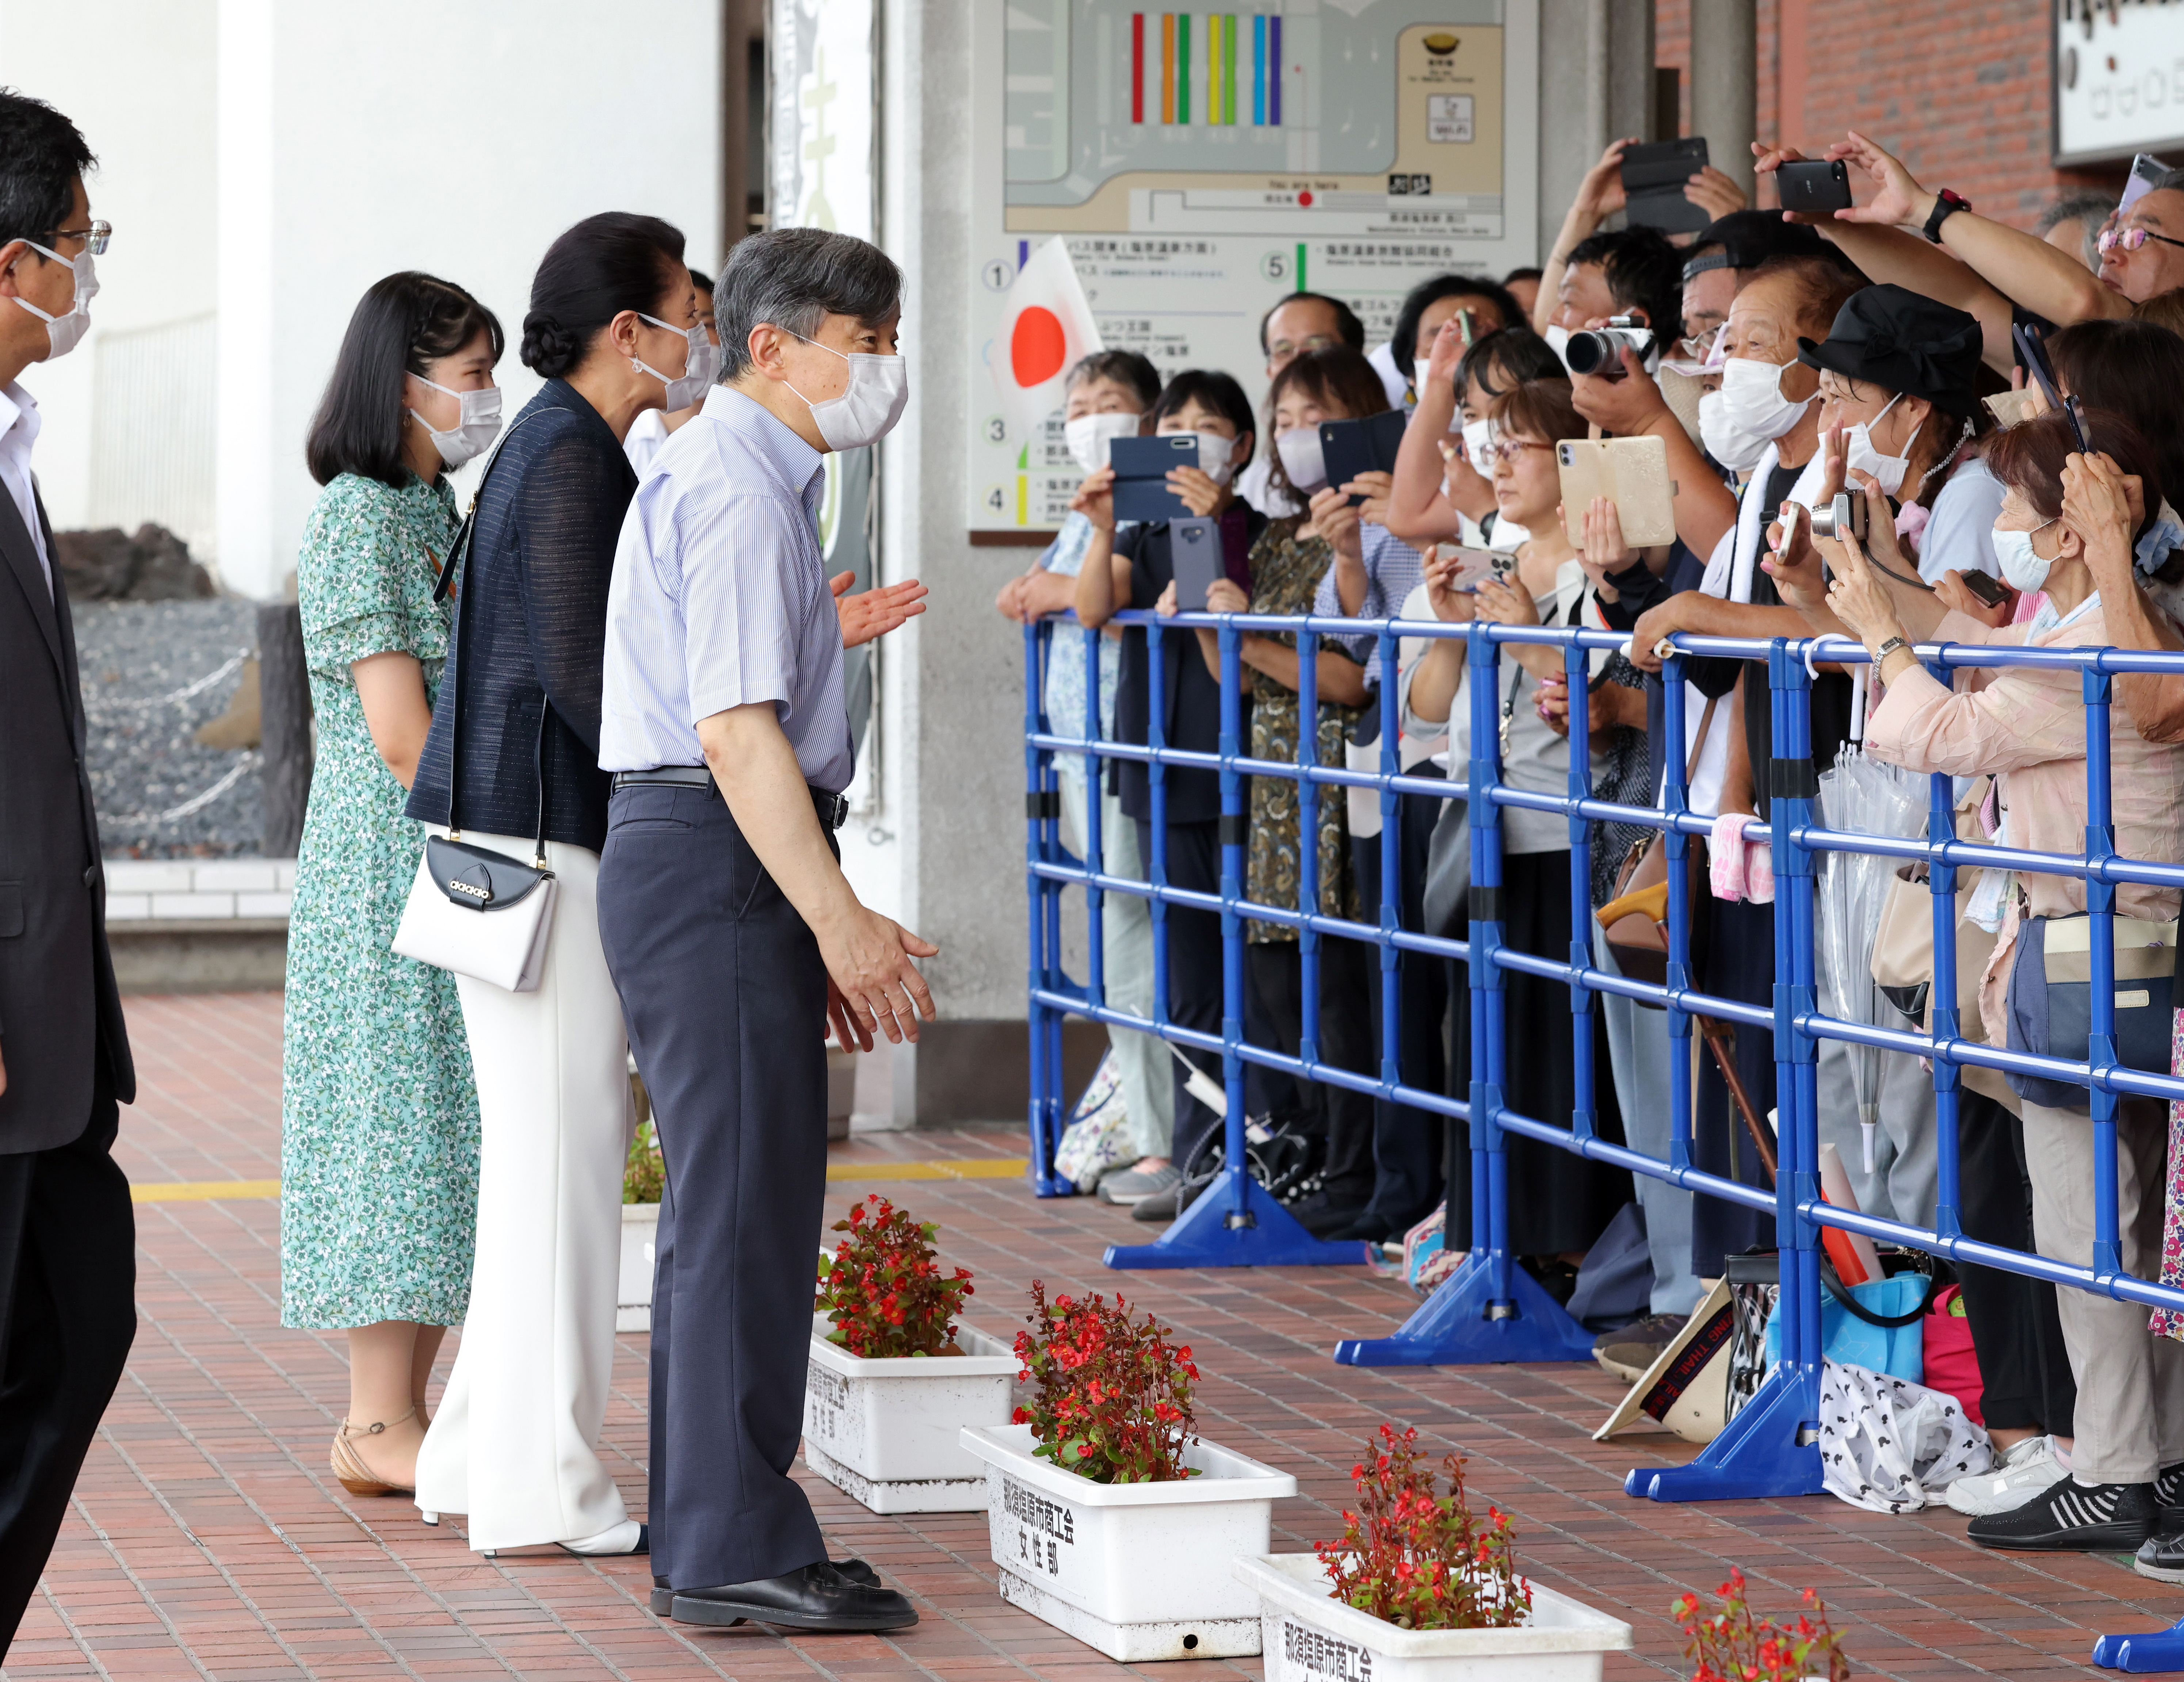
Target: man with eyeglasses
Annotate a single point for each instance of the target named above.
(67, 1235)
(1301, 321)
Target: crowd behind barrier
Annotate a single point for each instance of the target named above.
(1490, 1310)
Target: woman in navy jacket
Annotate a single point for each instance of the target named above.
(614, 328)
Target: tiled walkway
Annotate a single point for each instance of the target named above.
(207, 1540)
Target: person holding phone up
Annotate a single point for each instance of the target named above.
(1289, 561)
(1558, 1204)
(1133, 567)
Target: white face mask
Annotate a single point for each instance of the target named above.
(1557, 340)
(1859, 452)
(1748, 413)
(65, 332)
(476, 425)
(870, 404)
(1089, 435)
(1477, 436)
(1214, 455)
(2022, 569)
(701, 362)
(1302, 458)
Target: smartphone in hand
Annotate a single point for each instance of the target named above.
(1810, 184)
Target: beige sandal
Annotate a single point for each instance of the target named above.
(348, 1466)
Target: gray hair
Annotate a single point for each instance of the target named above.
(794, 278)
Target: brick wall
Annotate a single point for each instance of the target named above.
(1960, 94)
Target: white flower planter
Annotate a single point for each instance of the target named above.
(1139, 1571)
(1311, 1637)
(888, 1433)
(640, 1228)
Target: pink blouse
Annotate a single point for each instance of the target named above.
(2029, 725)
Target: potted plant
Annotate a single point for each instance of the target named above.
(1109, 1518)
(1729, 1645)
(1418, 1590)
(645, 1173)
(893, 1377)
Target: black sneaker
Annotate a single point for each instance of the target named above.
(2169, 1487)
(2072, 1518)
(1628, 1351)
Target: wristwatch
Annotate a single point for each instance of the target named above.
(1946, 205)
(1880, 655)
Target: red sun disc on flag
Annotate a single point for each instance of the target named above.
(1038, 347)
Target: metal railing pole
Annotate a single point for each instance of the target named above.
(1576, 676)
(1793, 786)
(1941, 1003)
(1095, 854)
(1307, 800)
(1156, 804)
(1234, 833)
(1490, 1187)
(1675, 759)
(1042, 1118)
(2100, 906)
(1391, 909)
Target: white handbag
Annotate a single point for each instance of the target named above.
(471, 909)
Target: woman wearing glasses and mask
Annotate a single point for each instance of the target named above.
(614, 328)
(379, 1153)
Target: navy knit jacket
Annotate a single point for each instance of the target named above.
(529, 639)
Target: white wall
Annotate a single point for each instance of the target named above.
(137, 77)
(458, 138)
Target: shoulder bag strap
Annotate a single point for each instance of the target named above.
(458, 561)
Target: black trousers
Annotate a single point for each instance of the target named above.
(2016, 1332)
(1342, 1117)
(67, 1314)
(726, 997)
(1409, 1146)
(1193, 967)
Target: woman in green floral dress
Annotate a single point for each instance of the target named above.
(1288, 561)
(379, 1115)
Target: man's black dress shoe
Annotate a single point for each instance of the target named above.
(817, 1597)
(663, 1596)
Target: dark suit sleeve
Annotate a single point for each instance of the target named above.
(574, 496)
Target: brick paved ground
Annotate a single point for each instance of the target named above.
(207, 1540)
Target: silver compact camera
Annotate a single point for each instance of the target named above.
(1843, 516)
(1598, 351)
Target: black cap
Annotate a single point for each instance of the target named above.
(1902, 342)
(1744, 239)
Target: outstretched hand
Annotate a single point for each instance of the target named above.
(874, 613)
(2096, 505)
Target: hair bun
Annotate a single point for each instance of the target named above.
(549, 350)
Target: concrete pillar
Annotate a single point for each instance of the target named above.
(1596, 84)
(1725, 83)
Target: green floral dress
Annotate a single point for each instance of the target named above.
(379, 1147)
(1286, 568)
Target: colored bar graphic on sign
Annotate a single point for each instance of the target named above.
(1228, 68)
(1167, 67)
(1213, 68)
(1137, 67)
(1275, 72)
(1183, 67)
(1259, 69)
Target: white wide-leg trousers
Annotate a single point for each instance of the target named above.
(513, 1444)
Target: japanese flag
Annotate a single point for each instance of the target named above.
(1046, 327)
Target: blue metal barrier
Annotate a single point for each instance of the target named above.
(1490, 1309)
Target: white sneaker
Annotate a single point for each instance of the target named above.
(2014, 1479)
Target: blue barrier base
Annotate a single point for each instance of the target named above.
(1461, 1325)
(2142, 1655)
(1769, 1448)
(1269, 1236)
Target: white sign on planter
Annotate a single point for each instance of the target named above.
(1139, 1571)
(1311, 1637)
(888, 1433)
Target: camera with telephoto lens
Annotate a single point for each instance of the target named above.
(1598, 351)
(1843, 515)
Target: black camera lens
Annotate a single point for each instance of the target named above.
(1589, 351)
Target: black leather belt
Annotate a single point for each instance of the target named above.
(834, 809)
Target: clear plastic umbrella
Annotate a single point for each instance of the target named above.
(1869, 798)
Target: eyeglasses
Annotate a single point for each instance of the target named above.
(1298, 347)
(2130, 239)
(1698, 346)
(94, 237)
(1505, 449)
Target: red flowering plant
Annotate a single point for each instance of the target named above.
(1113, 1400)
(1729, 1645)
(1421, 1560)
(884, 1289)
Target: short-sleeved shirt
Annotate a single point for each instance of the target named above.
(720, 599)
(1393, 569)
